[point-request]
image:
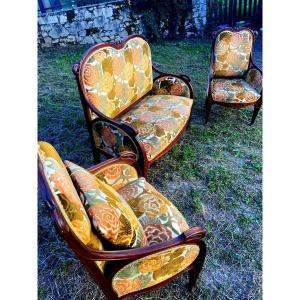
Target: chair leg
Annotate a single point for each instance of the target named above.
(257, 107)
(208, 105)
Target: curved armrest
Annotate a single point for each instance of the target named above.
(254, 78)
(192, 235)
(181, 76)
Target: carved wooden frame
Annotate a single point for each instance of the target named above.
(128, 129)
(209, 101)
(119, 258)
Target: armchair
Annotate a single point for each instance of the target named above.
(171, 248)
(234, 80)
(124, 108)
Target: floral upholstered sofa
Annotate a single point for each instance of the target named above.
(130, 238)
(234, 80)
(125, 109)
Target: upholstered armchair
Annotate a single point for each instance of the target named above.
(129, 237)
(125, 109)
(234, 80)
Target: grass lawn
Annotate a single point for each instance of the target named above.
(213, 175)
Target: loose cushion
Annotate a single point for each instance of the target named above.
(159, 119)
(232, 53)
(115, 78)
(160, 219)
(153, 269)
(65, 194)
(169, 85)
(233, 91)
(117, 175)
(111, 216)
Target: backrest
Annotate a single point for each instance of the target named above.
(231, 52)
(112, 77)
(56, 178)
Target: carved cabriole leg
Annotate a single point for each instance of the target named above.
(208, 105)
(257, 107)
(197, 266)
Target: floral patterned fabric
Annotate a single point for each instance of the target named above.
(233, 91)
(153, 269)
(117, 175)
(111, 139)
(169, 85)
(66, 195)
(111, 216)
(159, 119)
(254, 78)
(160, 219)
(232, 53)
(113, 79)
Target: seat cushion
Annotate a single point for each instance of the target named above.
(111, 216)
(65, 194)
(233, 91)
(159, 119)
(160, 219)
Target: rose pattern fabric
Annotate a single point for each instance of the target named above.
(115, 78)
(153, 269)
(232, 53)
(159, 119)
(254, 78)
(111, 139)
(160, 219)
(67, 199)
(111, 216)
(169, 85)
(117, 175)
(233, 91)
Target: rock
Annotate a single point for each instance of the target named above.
(87, 40)
(58, 31)
(63, 19)
(107, 12)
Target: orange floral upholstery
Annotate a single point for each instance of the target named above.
(117, 175)
(160, 219)
(112, 218)
(169, 85)
(159, 119)
(66, 196)
(232, 53)
(113, 79)
(233, 91)
(153, 269)
(254, 78)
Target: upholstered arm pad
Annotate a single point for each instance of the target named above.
(254, 78)
(171, 85)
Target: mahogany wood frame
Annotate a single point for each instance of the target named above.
(119, 258)
(127, 128)
(209, 100)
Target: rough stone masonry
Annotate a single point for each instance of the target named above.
(109, 21)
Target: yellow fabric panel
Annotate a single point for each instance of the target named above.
(113, 79)
(159, 119)
(232, 53)
(117, 175)
(65, 195)
(153, 269)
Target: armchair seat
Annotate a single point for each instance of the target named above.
(233, 91)
(159, 119)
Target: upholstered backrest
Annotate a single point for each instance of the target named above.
(232, 52)
(113, 77)
(65, 195)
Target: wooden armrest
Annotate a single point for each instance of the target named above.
(192, 235)
(127, 157)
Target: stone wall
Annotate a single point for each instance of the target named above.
(109, 21)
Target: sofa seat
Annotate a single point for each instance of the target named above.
(159, 217)
(159, 119)
(233, 91)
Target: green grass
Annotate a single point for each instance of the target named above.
(213, 175)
